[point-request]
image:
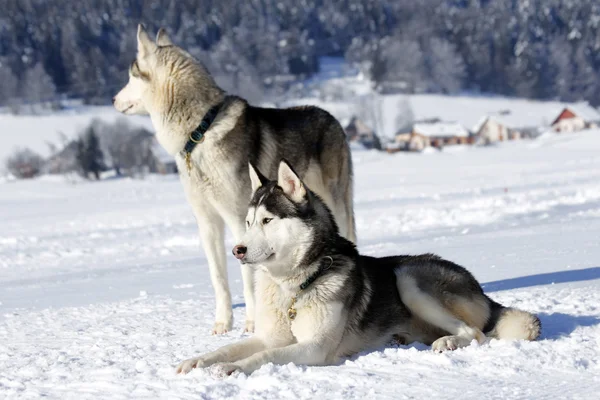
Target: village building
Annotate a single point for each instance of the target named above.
(576, 117)
(433, 134)
(503, 126)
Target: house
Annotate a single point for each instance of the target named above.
(435, 134)
(495, 129)
(504, 125)
(576, 117)
(358, 131)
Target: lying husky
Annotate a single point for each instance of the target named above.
(320, 301)
(213, 137)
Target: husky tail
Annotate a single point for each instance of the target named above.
(512, 323)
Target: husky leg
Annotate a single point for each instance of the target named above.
(229, 353)
(237, 227)
(212, 234)
(432, 311)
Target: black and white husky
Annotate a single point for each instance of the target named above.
(319, 301)
(213, 137)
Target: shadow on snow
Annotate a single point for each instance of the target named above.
(576, 275)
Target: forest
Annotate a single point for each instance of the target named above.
(543, 49)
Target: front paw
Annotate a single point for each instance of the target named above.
(188, 365)
(249, 326)
(220, 328)
(223, 370)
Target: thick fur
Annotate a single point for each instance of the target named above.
(358, 303)
(177, 91)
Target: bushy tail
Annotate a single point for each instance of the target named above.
(511, 323)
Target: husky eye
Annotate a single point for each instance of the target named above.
(136, 72)
(267, 220)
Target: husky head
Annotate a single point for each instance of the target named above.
(287, 225)
(166, 82)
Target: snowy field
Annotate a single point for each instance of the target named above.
(104, 288)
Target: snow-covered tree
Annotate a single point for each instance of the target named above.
(8, 85)
(25, 163)
(403, 63)
(446, 66)
(37, 86)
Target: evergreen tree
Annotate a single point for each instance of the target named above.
(90, 156)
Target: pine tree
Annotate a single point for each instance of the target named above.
(90, 157)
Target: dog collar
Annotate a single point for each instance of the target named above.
(197, 135)
(325, 265)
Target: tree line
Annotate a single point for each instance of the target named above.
(52, 49)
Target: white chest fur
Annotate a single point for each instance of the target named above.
(316, 316)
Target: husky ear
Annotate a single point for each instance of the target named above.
(256, 178)
(145, 44)
(162, 38)
(289, 181)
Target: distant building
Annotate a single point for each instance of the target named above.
(503, 126)
(434, 134)
(495, 129)
(576, 117)
(358, 131)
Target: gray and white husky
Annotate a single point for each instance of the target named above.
(213, 137)
(319, 301)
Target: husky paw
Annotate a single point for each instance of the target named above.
(249, 326)
(449, 343)
(188, 365)
(220, 328)
(223, 370)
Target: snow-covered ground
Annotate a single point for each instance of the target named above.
(104, 288)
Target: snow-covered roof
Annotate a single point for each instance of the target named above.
(440, 129)
(582, 110)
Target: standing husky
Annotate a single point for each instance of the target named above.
(214, 136)
(319, 300)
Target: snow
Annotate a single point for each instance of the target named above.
(440, 129)
(35, 132)
(104, 288)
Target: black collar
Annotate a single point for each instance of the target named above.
(326, 263)
(197, 135)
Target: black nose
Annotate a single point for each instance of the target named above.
(113, 100)
(239, 252)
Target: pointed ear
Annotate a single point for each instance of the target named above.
(162, 38)
(256, 178)
(145, 44)
(289, 181)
